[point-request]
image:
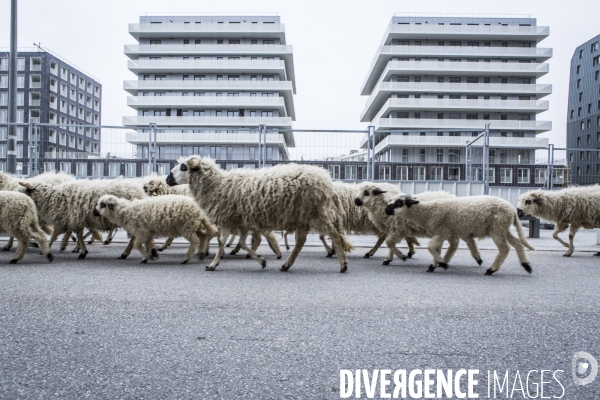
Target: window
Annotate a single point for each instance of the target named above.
(491, 175)
(160, 77)
(65, 167)
(215, 152)
(419, 173)
(540, 175)
(81, 169)
(472, 116)
(230, 153)
(404, 155)
(334, 171)
(505, 175)
(523, 175)
(268, 78)
(454, 155)
(436, 173)
(402, 173)
(578, 69)
(455, 79)
(422, 155)
(454, 174)
(351, 172)
(472, 79)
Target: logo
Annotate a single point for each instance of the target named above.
(584, 364)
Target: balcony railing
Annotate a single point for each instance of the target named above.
(208, 121)
(216, 66)
(134, 86)
(206, 101)
(431, 31)
(178, 29)
(441, 124)
(207, 49)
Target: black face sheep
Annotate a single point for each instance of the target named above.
(284, 197)
(465, 218)
(578, 207)
(18, 217)
(169, 216)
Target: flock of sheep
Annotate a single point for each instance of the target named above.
(199, 201)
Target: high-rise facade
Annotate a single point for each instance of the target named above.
(51, 90)
(436, 81)
(204, 79)
(583, 119)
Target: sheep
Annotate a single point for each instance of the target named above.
(290, 196)
(578, 207)
(18, 217)
(69, 206)
(168, 215)
(465, 218)
(159, 187)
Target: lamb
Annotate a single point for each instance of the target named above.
(283, 197)
(168, 215)
(69, 206)
(18, 217)
(578, 207)
(465, 218)
(159, 187)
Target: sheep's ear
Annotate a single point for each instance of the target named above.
(193, 162)
(25, 184)
(377, 191)
(111, 207)
(409, 202)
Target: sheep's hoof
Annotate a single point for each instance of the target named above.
(221, 256)
(91, 242)
(279, 257)
(567, 254)
(263, 263)
(209, 268)
(287, 247)
(344, 268)
(489, 271)
(153, 254)
(82, 255)
(227, 245)
(247, 256)
(122, 256)
(106, 242)
(479, 261)
(160, 249)
(6, 248)
(63, 248)
(431, 268)
(527, 267)
(144, 261)
(50, 257)
(184, 261)
(403, 258)
(74, 251)
(13, 261)
(233, 252)
(596, 254)
(73, 239)
(368, 255)
(284, 268)
(330, 254)
(443, 265)
(386, 262)
(34, 245)
(201, 256)
(410, 254)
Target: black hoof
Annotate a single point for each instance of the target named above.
(431, 268)
(160, 249)
(566, 255)
(34, 245)
(329, 255)
(201, 256)
(50, 257)
(227, 245)
(345, 268)
(284, 269)
(263, 263)
(247, 256)
(596, 254)
(386, 262)
(73, 239)
(74, 251)
(122, 256)
(63, 248)
(13, 261)
(90, 242)
(6, 248)
(221, 257)
(403, 258)
(410, 254)
(367, 255)
(82, 255)
(184, 261)
(527, 267)
(106, 242)
(208, 268)
(443, 265)
(153, 254)
(233, 252)
(287, 247)
(144, 262)
(480, 261)
(279, 257)
(489, 271)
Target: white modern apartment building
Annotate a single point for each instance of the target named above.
(436, 81)
(204, 79)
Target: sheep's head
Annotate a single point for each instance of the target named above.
(530, 203)
(368, 195)
(180, 174)
(397, 202)
(27, 188)
(152, 188)
(106, 205)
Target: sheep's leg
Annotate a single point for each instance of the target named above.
(38, 235)
(221, 240)
(371, 252)
(9, 245)
(572, 231)
(503, 249)
(202, 243)
(273, 243)
(434, 247)
(300, 240)
(330, 251)
(231, 240)
(249, 250)
(521, 253)
(285, 239)
(21, 248)
(87, 235)
(453, 246)
(166, 244)
(194, 243)
(391, 244)
(255, 242)
(433, 264)
(143, 246)
(77, 248)
(558, 229)
(237, 248)
(65, 240)
(336, 241)
(128, 249)
(110, 237)
(81, 242)
(411, 242)
(473, 249)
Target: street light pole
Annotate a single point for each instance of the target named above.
(11, 159)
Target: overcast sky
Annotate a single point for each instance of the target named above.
(334, 43)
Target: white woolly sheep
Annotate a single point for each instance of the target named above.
(578, 207)
(18, 217)
(465, 218)
(169, 215)
(69, 206)
(284, 197)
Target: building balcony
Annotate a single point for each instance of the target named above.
(214, 122)
(197, 102)
(456, 141)
(208, 30)
(465, 32)
(442, 68)
(383, 91)
(399, 124)
(437, 105)
(283, 88)
(386, 53)
(271, 67)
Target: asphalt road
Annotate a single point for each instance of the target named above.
(108, 328)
